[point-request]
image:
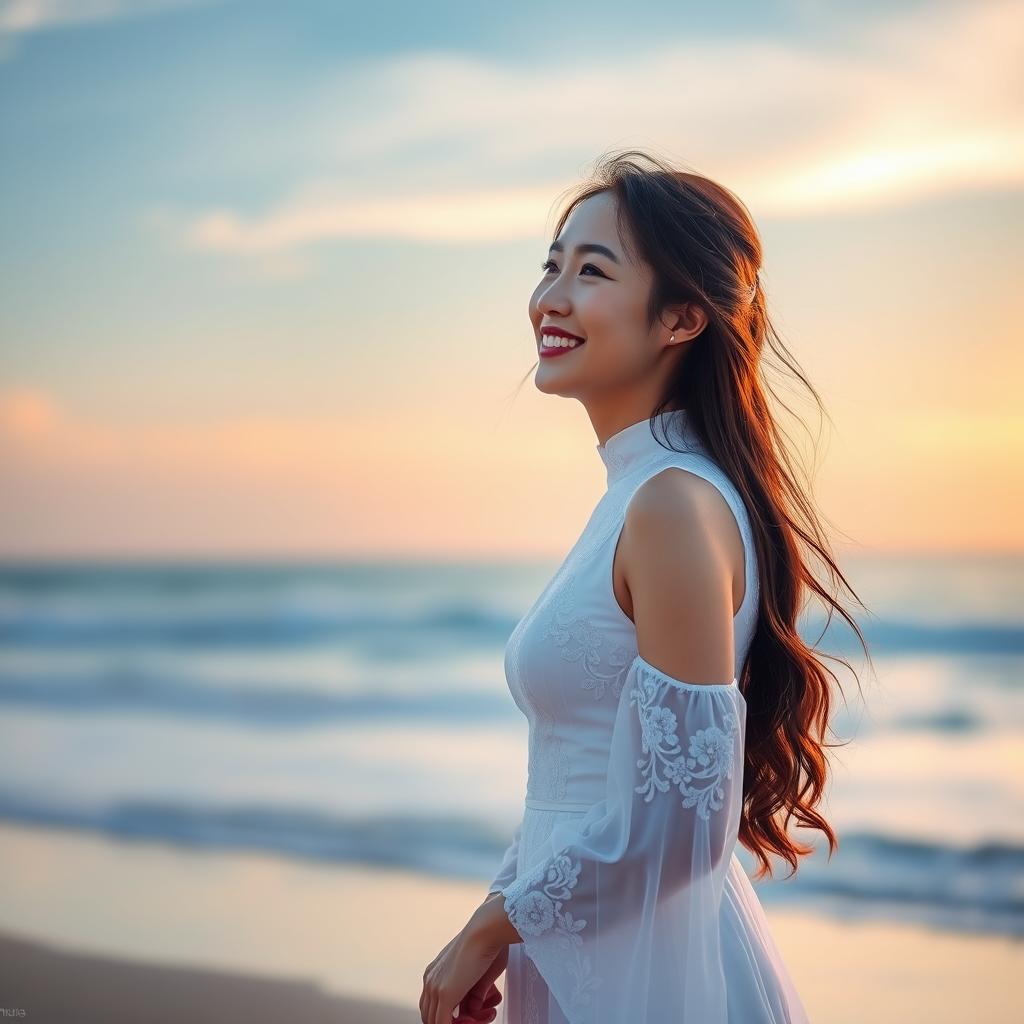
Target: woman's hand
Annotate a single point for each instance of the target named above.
(479, 1004)
(462, 975)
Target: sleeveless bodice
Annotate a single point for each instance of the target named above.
(568, 658)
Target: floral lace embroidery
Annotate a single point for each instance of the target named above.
(579, 641)
(534, 904)
(699, 774)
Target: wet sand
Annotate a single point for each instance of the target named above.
(53, 987)
(155, 933)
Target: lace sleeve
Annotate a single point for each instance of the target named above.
(509, 865)
(620, 911)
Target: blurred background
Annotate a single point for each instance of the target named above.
(271, 499)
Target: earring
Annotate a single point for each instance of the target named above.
(673, 338)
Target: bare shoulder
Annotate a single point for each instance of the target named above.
(679, 571)
(674, 491)
(681, 511)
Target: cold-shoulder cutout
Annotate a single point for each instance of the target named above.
(676, 497)
(679, 567)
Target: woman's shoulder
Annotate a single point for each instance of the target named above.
(681, 558)
(681, 518)
(681, 505)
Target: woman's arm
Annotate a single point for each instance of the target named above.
(463, 973)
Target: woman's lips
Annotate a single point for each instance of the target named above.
(556, 342)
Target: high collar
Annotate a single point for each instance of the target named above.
(636, 445)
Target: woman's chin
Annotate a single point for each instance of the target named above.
(550, 381)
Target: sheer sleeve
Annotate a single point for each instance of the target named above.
(620, 911)
(509, 865)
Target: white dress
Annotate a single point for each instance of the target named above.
(621, 878)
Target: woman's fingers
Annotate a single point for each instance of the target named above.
(432, 1002)
(425, 1014)
(474, 998)
(476, 1003)
(438, 1013)
(463, 972)
(483, 1016)
(437, 1001)
(477, 1010)
(429, 996)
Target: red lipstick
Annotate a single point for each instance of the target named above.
(557, 342)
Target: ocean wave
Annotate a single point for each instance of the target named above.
(330, 687)
(453, 847)
(380, 628)
(980, 888)
(138, 691)
(892, 636)
(379, 609)
(392, 627)
(385, 608)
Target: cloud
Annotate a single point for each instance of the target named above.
(891, 175)
(458, 217)
(907, 107)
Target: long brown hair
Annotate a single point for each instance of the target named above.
(701, 246)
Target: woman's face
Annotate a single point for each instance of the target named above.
(590, 313)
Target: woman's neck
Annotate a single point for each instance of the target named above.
(608, 418)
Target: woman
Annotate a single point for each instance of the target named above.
(673, 707)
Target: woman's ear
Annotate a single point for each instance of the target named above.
(685, 322)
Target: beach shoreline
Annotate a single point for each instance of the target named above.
(120, 926)
(50, 986)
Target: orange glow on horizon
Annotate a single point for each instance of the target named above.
(408, 486)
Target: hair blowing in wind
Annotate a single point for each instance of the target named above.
(702, 247)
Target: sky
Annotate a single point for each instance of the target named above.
(264, 264)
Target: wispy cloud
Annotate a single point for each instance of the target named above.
(894, 174)
(462, 217)
(911, 106)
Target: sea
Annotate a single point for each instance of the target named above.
(358, 713)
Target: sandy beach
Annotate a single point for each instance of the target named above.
(57, 988)
(104, 931)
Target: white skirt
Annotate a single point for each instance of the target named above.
(758, 987)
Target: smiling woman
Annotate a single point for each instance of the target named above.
(592, 282)
(673, 708)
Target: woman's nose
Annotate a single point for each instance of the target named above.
(552, 298)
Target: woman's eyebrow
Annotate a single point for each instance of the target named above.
(586, 247)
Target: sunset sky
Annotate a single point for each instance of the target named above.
(264, 265)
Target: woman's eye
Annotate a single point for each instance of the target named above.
(549, 267)
(592, 271)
